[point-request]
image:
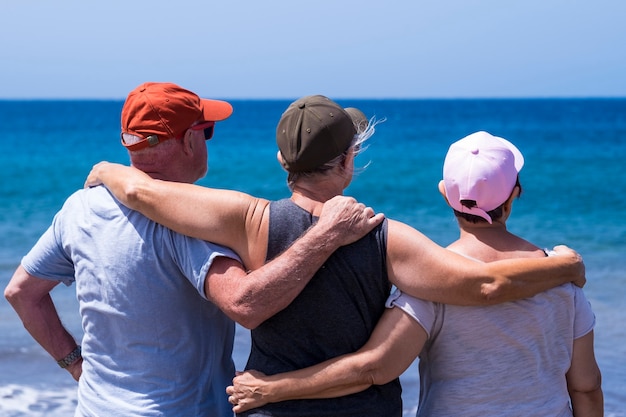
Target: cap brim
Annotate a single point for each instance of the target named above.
(215, 110)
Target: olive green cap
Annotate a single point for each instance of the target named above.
(312, 131)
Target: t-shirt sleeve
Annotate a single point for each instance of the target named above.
(585, 319)
(47, 259)
(195, 257)
(421, 311)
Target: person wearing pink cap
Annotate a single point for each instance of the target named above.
(527, 357)
(157, 307)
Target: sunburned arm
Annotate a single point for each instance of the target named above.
(30, 297)
(252, 298)
(584, 381)
(423, 269)
(226, 217)
(392, 347)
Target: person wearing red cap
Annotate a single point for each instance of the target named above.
(527, 357)
(339, 308)
(157, 307)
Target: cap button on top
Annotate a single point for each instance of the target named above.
(301, 105)
(475, 151)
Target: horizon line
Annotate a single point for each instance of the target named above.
(590, 97)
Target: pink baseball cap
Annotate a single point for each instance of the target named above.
(482, 168)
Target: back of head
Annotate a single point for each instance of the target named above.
(156, 112)
(483, 169)
(312, 131)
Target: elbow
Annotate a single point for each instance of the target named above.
(245, 315)
(247, 321)
(12, 295)
(491, 293)
(373, 373)
(130, 196)
(591, 386)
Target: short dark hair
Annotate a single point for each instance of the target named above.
(494, 214)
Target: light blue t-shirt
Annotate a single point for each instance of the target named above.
(153, 345)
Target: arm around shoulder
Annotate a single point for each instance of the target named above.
(392, 347)
(225, 217)
(423, 269)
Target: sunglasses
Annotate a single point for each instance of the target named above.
(207, 127)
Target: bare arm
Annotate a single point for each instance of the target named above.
(253, 298)
(584, 381)
(226, 217)
(394, 344)
(30, 297)
(423, 269)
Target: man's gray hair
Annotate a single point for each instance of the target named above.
(357, 146)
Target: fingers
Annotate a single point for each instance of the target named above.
(93, 177)
(579, 279)
(376, 219)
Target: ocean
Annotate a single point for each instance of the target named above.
(574, 194)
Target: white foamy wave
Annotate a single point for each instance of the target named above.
(27, 401)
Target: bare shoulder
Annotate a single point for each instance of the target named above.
(257, 222)
(406, 241)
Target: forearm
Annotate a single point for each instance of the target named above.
(394, 344)
(30, 298)
(526, 277)
(225, 217)
(329, 379)
(124, 182)
(269, 289)
(326, 380)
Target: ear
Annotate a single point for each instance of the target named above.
(187, 142)
(442, 190)
(509, 202)
(281, 161)
(348, 161)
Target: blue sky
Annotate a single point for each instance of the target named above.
(340, 48)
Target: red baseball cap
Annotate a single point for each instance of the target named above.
(162, 111)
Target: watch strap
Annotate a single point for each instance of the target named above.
(70, 358)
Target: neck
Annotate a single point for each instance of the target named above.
(491, 235)
(311, 196)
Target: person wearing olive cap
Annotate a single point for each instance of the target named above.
(528, 357)
(338, 309)
(157, 307)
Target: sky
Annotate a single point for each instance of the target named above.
(264, 49)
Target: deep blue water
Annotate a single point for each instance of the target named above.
(574, 193)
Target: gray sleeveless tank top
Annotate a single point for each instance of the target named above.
(335, 314)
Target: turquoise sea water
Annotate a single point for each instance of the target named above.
(574, 193)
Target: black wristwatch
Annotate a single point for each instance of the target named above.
(71, 358)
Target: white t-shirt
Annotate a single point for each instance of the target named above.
(508, 359)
